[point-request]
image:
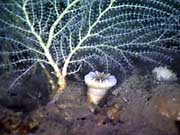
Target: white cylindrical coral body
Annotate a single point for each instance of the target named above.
(98, 85)
(95, 95)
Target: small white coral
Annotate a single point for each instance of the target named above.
(98, 85)
(100, 80)
(164, 74)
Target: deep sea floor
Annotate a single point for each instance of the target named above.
(137, 106)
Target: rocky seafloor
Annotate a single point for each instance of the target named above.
(137, 106)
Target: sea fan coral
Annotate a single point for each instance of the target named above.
(71, 35)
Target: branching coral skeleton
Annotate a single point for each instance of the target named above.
(69, 35)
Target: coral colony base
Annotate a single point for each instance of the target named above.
(69, 36)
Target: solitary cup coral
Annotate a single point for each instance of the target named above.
(98, 84)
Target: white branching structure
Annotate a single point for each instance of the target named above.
(71, 34)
